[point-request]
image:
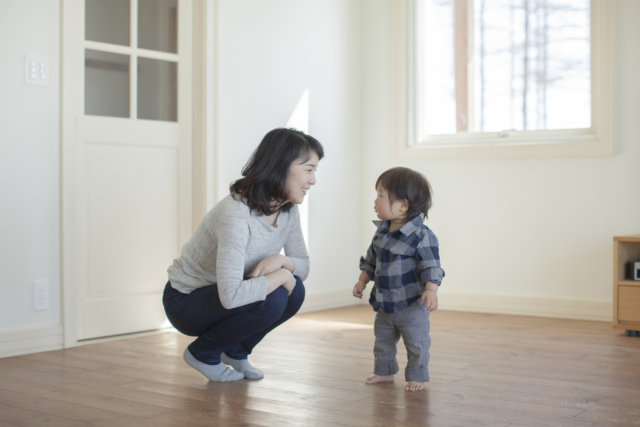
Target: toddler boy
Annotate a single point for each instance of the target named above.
(404, 263)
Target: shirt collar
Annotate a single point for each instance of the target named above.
(412, 225)
(407, 229)
(383, 226)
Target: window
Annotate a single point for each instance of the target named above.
(502, 74)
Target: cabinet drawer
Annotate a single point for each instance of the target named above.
(629, 305)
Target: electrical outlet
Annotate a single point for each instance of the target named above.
(36, 70)
(41, 295)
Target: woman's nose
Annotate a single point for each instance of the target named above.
(312, 181)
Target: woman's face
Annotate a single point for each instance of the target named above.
(302, 175)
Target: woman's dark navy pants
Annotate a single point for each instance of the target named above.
(235, 332)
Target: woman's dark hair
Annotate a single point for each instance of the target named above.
(407, 184)
(265, 174)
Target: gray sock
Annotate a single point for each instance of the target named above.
(243, 366)
(217, 372)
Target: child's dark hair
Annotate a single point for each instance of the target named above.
(407, 184)
(265, 174)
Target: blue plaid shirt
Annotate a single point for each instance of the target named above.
(400, 263)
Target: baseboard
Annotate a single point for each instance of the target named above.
(30, 340)
(328, 299)
(481, 303)
(527, 306)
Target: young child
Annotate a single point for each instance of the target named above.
(404, 264)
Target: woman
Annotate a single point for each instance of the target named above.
(231, 286)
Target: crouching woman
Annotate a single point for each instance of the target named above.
(231, 286)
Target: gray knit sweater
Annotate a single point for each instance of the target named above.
(229, 243)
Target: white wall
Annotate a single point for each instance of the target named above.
(269, 53)
(29, 144)
(519, 235)
(523, 229)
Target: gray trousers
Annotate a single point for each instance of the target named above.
(412, 324)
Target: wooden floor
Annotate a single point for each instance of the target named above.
(486, 370)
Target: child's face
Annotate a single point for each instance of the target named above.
(386, 210)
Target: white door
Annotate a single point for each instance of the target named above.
(132, 158)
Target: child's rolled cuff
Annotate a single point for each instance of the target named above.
(385, 367)
(367, 268)
(420, 375)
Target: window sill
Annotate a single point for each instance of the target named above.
(503, 150)
(563, 146)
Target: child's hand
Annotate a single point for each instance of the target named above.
(431, 299)
(359, 288)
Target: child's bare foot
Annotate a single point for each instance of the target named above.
(414, 386)
(379, 379)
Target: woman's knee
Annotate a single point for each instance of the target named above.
(297, 295)
(279, 301)
(275, 304)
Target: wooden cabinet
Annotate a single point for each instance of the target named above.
(626, 292)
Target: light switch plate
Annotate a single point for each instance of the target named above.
(41, 295)
(36, 70)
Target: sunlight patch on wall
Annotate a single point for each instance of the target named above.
(300, 120)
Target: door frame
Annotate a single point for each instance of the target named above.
(197, 161)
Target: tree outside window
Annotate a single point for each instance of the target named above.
(502, 67)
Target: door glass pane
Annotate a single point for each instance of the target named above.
(157, 90)
(107, 21)
(106, 84)
(158, 25)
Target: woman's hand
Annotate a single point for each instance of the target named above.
(290, 283)
(358, 289)
(281, 277)
(268, 266)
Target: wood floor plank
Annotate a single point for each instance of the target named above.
(240, 417)
(612, 381)
(67, 372)
(70, 411)
(565, 384)
(40, 385)
(578, 367)
(430, 397)
(139, 403)
(545, 401)
(611, 418)
(622, 360)
(588, 400)
(25, 418)
(424, 411)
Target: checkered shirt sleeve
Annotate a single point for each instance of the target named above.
(368, 262)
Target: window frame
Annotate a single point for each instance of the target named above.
(596, 141)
